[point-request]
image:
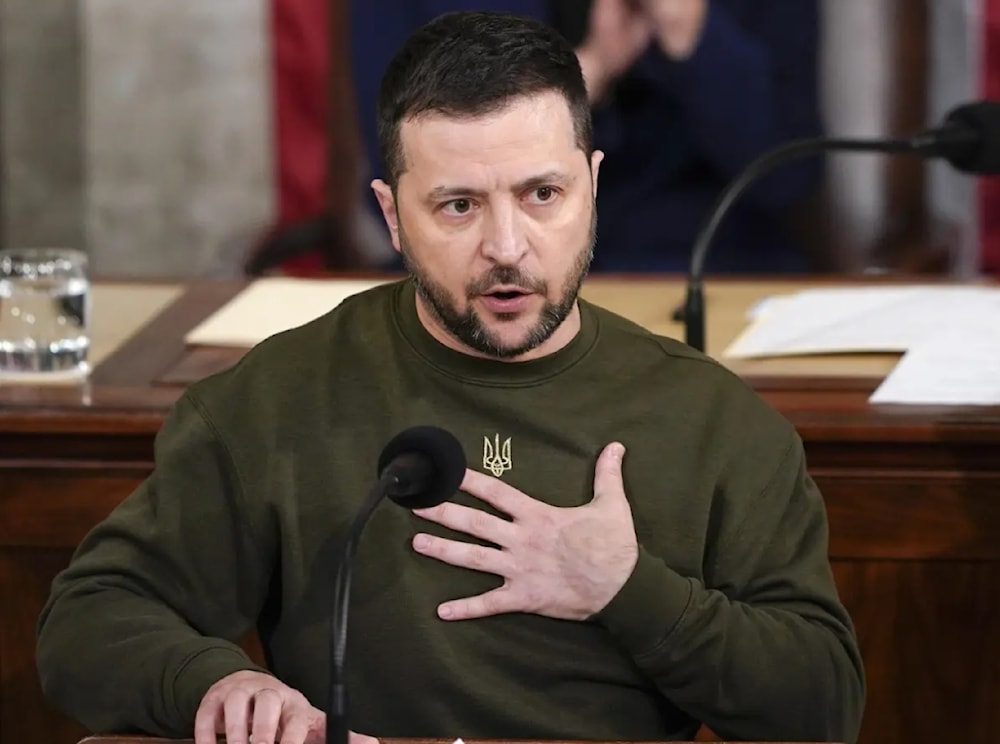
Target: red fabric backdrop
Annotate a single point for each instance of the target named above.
(300, 64)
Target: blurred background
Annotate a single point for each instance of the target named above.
(184, 138)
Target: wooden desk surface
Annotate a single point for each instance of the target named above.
(120, 310)
(650, 303)
(143, 364)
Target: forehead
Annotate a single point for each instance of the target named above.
(530, 131)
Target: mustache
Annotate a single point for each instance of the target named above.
(509, 276)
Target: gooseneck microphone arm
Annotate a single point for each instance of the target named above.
(337, 726)
(420, 467)
(693, 312)
(961, 140)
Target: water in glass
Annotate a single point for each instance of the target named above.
(44, 309)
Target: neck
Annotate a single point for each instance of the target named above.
(565, 333)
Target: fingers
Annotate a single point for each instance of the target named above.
(266, 711)
(465, 555)
(608, 482)
(254, 705)
(296, 727)
(494, 602)
(208, 721)
(496, 493)
(236, 709)
(475, 522)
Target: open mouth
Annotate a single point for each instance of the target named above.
(506, 300)
(506, 292)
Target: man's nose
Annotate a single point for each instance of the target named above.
(504, 239)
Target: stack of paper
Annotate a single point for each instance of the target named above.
(864, 319)
(961, 367)
(272, 305)
(949, 337)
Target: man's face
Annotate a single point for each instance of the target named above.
(495, 219)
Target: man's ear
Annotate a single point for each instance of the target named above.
(387, 203)
(595, 165)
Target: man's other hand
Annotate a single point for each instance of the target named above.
(252, 705)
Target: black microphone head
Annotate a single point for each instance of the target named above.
(442, 452)
(982, 153)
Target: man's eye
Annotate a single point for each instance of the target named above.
(458, 206)
(544, 194)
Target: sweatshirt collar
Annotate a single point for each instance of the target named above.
(484, 371)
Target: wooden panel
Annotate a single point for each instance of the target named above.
(930, 643)
(25, 715)
(199, 362)
(912, 516)
(54, 507)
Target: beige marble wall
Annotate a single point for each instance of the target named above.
(177, 132)
(855, 75)
(138, 131)
(41, 158)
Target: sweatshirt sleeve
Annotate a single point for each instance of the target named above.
(146, 616)
(750, 86)
(763, 649)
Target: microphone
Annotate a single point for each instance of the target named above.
(420, 467)
(969, 139)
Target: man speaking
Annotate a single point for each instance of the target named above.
(636, 548)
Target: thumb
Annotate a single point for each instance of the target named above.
(608, 483)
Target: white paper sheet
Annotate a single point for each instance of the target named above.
(766, 305)
(863, 319)
(272, 305)
(961, 367)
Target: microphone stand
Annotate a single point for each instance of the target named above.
(420, 467)
(692, 312)
(337, 725)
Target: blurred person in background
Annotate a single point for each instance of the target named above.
(685, 94)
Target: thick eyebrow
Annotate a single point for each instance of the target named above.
(548, 178)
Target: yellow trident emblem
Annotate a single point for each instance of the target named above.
(496, 456)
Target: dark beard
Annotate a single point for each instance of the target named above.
(469, 328)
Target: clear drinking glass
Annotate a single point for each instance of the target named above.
(44, 314)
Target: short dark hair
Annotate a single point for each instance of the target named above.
(471, 63)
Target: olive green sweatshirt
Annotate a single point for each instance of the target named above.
(729, 618)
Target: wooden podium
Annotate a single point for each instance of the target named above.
(913, 496)
(154, 740)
